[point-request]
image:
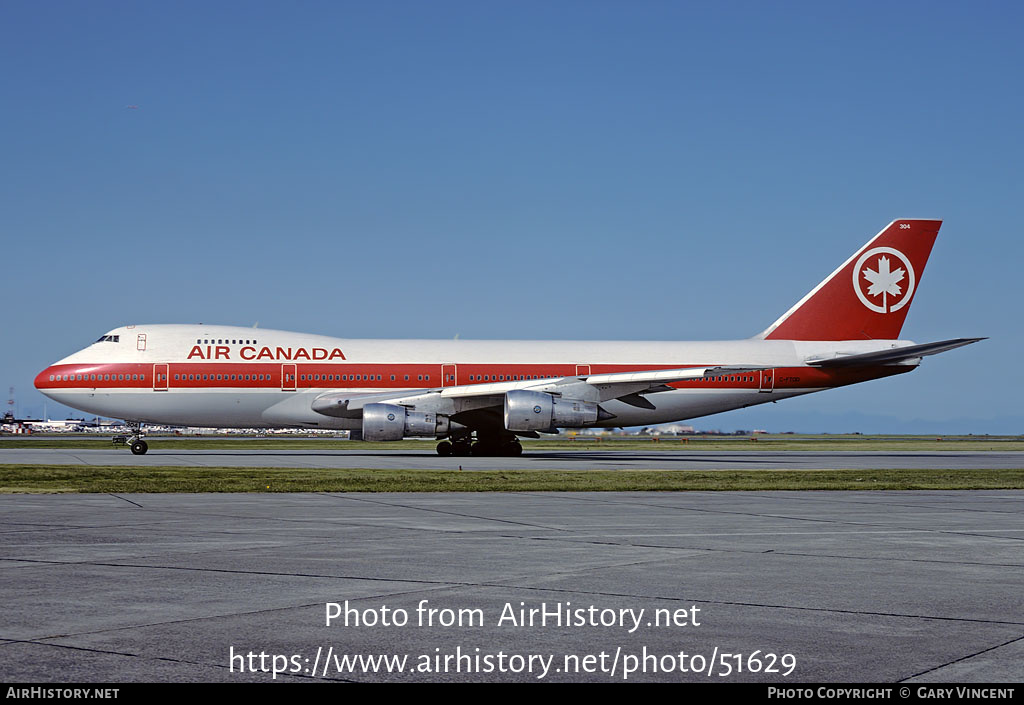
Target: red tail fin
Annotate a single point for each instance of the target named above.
(869, 295)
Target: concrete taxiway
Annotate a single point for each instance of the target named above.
(853, 586)
(427, 459)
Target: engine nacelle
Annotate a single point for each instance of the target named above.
(390, 422)
(537, 411)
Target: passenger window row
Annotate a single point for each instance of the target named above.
(507, 378)
(343, 378)
(96, 378)
(240, 378)
(224, 341)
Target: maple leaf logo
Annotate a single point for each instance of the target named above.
(883, 281)
(892, 278)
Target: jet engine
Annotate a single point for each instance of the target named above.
(390, 422)
(537, 411)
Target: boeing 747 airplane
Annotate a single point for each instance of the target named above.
(480, 397)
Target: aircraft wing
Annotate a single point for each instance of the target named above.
(610, 386)
(895, 355)
(627, 386)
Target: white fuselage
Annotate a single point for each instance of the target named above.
(224, 376)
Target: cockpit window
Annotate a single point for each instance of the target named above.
(109, 339)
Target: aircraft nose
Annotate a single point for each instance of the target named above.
(44, 381)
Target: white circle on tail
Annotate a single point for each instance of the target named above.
(883, 279)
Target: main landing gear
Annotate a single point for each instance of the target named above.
(134, 442)
(488, 446)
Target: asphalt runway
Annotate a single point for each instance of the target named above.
(531, 460)
(839, 586)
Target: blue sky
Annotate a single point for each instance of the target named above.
(577, 170)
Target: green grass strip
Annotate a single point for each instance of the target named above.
(63, 479)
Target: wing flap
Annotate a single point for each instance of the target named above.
(597, 388)
(652, 376)
(628, 386)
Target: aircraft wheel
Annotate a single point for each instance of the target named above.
(444, 448)
(139, 448)
(461, 448)
(513, 449)
(483, 449)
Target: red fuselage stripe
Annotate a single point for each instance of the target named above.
(270, 376)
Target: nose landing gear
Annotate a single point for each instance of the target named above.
(134, 442)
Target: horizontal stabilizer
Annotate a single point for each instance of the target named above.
(882, 357)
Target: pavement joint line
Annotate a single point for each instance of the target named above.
(279, 545)
(882, 528)
(488, 584)
(951, 532)
(731, 534)
(125, 500)
(31, 523)
(709, 549)
(962, 658)
(439, 511)
(432, 588)
(671, 549)
(557, 574)
(180, 554)
(229, 615)
(55, 529)
(339, 524)
(441, 583)
(321, 522)
(733, 603)
(942, 508)
(735, 513)
(788, 518)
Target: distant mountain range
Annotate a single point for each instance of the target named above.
(779, 420)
